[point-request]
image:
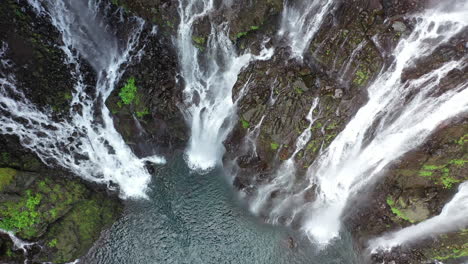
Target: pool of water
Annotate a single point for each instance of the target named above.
(192, 218)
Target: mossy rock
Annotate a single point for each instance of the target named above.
(73, 235)
(6, 177)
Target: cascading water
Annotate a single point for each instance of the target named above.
(87, 143)
(398, 117)
(454, 216)
(209, 79)
(300, 21)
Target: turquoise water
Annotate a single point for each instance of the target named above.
(193, 218)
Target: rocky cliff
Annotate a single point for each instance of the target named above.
(351, 47)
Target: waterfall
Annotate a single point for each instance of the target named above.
(209, 78)
(398, 117)
(87, 143)
(300, 21)
(454, 216)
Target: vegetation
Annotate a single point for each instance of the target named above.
(361, 77)
(274, 146)
(245, 124)
(397, 211)
(141, 114)
(6, 176)
(441, 173)
(128, 93)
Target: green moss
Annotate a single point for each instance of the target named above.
(455, 254)
(462, 140)
(199, 40)
(274, 146)
(141, 114)
(23, 215)
(397, 211)
(254, 27)
(425, 173)
(52, 243)
(298, 90)
(458, 162)
(441, 173)
(241, 34)
(78, 229)
(128, 93)
(6, 176)
(245, 124)
(43, 203)
(361, 77)
(67, 96)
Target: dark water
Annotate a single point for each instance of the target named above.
(194, 218)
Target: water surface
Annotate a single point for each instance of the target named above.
(191, 218)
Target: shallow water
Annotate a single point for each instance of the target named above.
(192, 218)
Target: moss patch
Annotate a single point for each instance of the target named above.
(6, 176)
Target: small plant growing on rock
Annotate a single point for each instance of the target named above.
(128, 92)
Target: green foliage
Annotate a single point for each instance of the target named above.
(458, 162)
(128, 92)
(6, 176)
(441, 173)
(241, 34)
(52, 243)
(462, 140)
(43, 203)
(274, 146)
(361, 77)
(425, 173)
(254, 27)
(455, 254)
(23, 215)
(67, 96)
(199, 40)
(245, 124)
(397, 211)
(141, 114)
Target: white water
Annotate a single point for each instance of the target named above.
(398, 117)
(18, 243)
(87, 144)
(454, 216)
(300, 21)
(209, 78)
(284, 178)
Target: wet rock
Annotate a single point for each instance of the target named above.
(338, 93)
(399, 26)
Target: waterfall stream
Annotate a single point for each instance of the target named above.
(209, 78)
(300, 21)
(87, 143)
(398, 117)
